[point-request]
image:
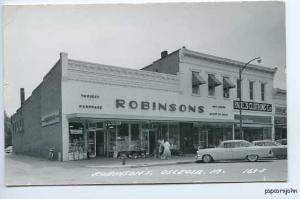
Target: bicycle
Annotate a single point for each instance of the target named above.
(51, 153)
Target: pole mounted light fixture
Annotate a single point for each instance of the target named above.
(241, 69)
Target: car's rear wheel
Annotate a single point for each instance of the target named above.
(252, 158)
(207, 158)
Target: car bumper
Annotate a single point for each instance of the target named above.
(198, 157)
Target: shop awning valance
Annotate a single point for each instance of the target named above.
(227, 83)
(197, 79)
(213, 81)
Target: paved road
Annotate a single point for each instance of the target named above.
(30, 171)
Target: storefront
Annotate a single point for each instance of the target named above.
(257, 121)
(91, 138)
(87, 110)
(280, 116)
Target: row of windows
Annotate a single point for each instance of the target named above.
(213, 82)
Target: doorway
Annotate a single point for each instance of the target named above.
(100, 143)
(152, 142)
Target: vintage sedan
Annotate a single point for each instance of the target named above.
(279, 150)
(234, 150)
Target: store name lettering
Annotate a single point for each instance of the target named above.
(253, 106)
(145, 105)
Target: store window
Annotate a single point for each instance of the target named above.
(76, 139)
(112, 131)
(164, 134)
(135, 138)
(123, 138)
(174, 136)
(227, 85)
(263, 91)
(213, 82)
(197, 80)
(251, 90)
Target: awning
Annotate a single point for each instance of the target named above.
(227, 83)
(197, 79)
(213, 81)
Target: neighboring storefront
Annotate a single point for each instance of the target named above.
(280, 117)
(85, 110)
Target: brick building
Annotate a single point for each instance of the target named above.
(84, 110)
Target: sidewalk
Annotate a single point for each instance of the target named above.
(100, 162)
(140, 162)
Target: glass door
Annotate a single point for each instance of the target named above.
(92, 144)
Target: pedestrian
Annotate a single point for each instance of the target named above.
(160, 147)
(167, 152)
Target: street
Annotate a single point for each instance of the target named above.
(23, 170)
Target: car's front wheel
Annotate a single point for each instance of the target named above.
(252, 158)
(207, 158)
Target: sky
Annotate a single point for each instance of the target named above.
(133, 36)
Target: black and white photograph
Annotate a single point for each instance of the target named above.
(144, 94)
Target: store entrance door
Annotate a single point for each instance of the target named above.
(152, 142)
(100, 143)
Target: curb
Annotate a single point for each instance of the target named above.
(143, 165)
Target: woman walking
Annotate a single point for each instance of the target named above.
(167, 152)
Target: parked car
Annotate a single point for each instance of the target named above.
(234, 150)
(282, 141)
(279, 150)
(9, 149)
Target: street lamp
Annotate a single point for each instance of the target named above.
(240, 92)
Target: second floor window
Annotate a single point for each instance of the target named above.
(227, 85)
(263, 91)
(197, 80)
(251, 90)
(213, 82)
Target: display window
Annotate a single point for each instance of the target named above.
(112, 138)
(135, 144)
(77, 150)
(174, 136)
(123, 137)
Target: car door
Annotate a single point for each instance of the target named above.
(225, 151)
(241, 150)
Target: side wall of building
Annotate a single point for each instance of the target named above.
(169, 64)
(32, 136)
(51, 104)
(27, 137)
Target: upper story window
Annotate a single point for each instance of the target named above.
(227, 85)
(213, 82)
(251, 90)
(197, 80)
(263, 91)
(238, 90)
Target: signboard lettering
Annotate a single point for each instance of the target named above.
(145, 105)
(253, 106)
(51, 118)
